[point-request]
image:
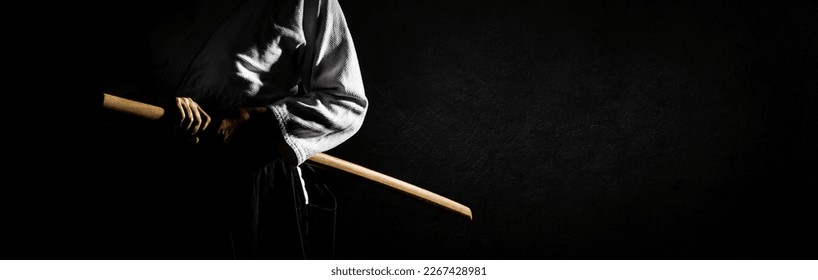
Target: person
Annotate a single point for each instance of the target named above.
(274, 83)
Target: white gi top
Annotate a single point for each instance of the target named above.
(261, 53)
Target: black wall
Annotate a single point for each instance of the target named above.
(585, 129)
(573, 130)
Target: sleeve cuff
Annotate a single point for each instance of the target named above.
(291, 152)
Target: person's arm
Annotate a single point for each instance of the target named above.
(333, 105)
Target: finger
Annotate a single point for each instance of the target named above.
(181, 110)
(197, 120)
(228, 136)
(245, 114)
(207, 118)
(196, 140)
(189, 113)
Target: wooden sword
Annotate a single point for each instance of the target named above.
(152, 112)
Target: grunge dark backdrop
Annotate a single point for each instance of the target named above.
(586, 129)
(573, 130)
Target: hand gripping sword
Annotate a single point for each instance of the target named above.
(152, 112)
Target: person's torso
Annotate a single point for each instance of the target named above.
(251, 58)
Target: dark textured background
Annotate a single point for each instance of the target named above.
(586, 129)
(573, 129)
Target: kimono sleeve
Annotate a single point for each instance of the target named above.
(332, 105)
